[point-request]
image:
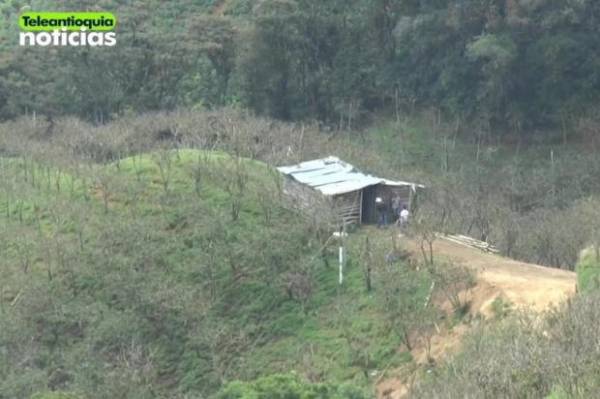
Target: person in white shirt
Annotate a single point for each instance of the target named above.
(404, 215)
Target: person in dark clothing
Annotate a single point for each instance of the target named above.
(396, 207)
(381, 211)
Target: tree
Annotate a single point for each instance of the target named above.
(452, 280)
(367, 262)
(425, 227)
(398, 292)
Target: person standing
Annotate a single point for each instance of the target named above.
(396, 203)
(381, 211)
(404, 216)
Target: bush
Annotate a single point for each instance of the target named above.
(287, 386)
(55, 395)
(525, 357)
(588, 271)
(501, 307)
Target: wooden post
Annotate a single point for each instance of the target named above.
(342, 253)
(341, 261)
(360, 220)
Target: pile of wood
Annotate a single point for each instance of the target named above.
(471, 242)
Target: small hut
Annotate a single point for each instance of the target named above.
(339, 186)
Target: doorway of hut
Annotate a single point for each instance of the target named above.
(369, 212)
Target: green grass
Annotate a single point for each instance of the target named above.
(557, 393)
(319, 338)
(120, 253)
(588, 271)
(501, 307)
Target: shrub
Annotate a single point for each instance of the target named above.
(55, 395)
(287, 386)
(525, 357)
(501, 307)
(588, 271)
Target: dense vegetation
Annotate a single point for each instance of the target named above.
(499, 66)
(536, 203)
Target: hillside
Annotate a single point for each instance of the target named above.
(147, 249)
(180, 271)
(502, 285)
(175, 272)
(522, 285)
(127, 265)
(169, 274)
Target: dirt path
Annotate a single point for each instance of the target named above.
(523, 285)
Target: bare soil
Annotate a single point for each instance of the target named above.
(522, 285)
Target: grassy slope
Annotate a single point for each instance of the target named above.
(588, 271)
(60, 242)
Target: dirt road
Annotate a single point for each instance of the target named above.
(523, 285)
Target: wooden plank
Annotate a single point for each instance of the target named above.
(471, 242)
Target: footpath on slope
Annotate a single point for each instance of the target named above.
(523, 285)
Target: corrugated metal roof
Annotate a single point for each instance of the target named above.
(332, 176)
